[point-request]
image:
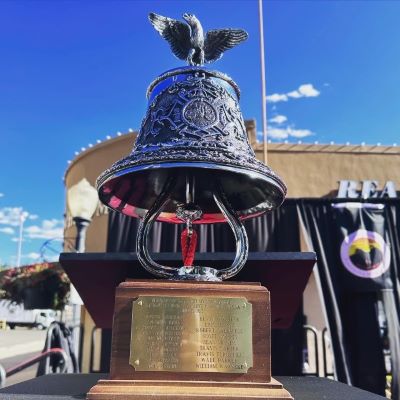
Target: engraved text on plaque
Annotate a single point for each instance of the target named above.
(191, 334)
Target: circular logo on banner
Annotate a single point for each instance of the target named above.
(365, 254)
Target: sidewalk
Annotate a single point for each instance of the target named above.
(18, 345)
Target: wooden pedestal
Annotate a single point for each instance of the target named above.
(129, 384)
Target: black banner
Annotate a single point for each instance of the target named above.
(363, 246)
(358, 258)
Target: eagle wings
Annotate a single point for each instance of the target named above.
(187, 39)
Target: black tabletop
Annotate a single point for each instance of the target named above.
(75, 386)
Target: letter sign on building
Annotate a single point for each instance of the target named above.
(369, 189)
(348, 189)
(365, 189)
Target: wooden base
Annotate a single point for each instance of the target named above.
(127, 292)
(130, 383)
(182, 390)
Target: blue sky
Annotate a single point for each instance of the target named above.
(73, 72)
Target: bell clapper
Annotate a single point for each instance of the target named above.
(188, 213)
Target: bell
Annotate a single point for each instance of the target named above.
(192, 163)
(194, 134)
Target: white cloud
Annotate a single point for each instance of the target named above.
(1, 194)
(10, 215)
(285, 133)
(32, 256)
(279, 119)
(274, 98)
(52, 258)
(308, 90)
(10, 219)
(16, 239)
(305, 90)
(299, 133)
(49, 229)
(277, 133)
(279, 128)
(7, 230)
(295, 94)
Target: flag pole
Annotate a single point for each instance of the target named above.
(263, 82)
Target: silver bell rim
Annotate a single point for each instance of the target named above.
(251, 192)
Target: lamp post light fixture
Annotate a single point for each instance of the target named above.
(82, 202)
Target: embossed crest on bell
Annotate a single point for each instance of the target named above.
(193, 122)
(192, 162)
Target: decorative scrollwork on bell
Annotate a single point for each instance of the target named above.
(192, 163)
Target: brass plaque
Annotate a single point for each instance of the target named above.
(191, 334)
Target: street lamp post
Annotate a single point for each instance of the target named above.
(81, 228)
(82, 201)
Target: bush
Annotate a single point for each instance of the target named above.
(48, 278)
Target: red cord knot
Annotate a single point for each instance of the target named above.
(188, 244)
(188, 213)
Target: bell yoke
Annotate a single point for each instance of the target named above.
(192, 162)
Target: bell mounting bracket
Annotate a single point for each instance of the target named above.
(197, 273)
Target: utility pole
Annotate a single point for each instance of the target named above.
(22, 218)
(263, 80)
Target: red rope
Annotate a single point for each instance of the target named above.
(188, 243)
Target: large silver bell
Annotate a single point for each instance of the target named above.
(193, 150)
(193, 125)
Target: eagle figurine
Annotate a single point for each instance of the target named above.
(188, 42)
